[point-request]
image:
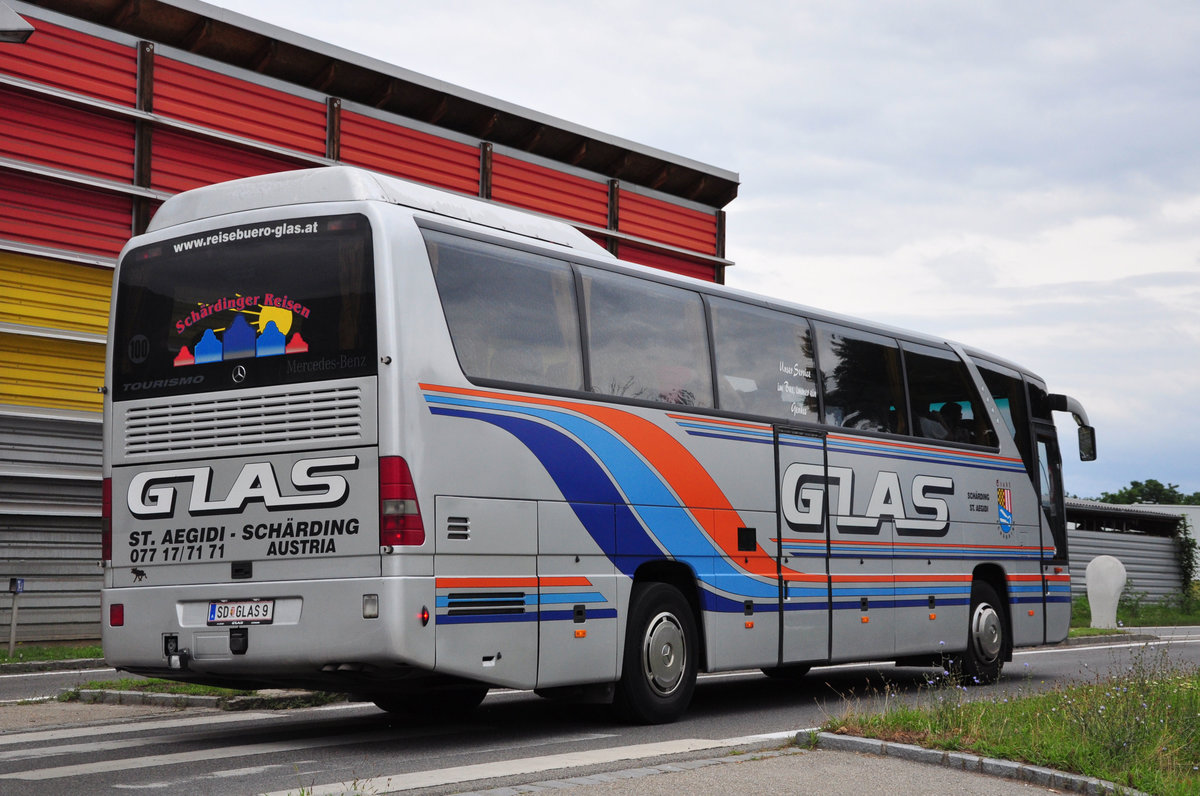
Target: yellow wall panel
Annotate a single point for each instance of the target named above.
(54, 295)
(52, 374)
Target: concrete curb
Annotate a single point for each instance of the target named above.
(262, 700)
(1115, 638)
(32, 667)
(1007, 769)
(148, 698)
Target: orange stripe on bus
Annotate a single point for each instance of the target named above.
(510, 583)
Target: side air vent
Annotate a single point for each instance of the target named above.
(486, 603)
(333, 414)
(458, 528)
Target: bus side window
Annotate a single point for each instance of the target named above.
(646, 340)
(512, 314)
(944, 401)
(764, 361)
(1008, 391)
(862, 380)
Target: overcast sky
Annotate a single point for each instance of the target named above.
(1019, 176)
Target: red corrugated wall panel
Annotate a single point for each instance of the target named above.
(73, 61)
(235, 106)
(63, 137)
(676, 264)
(392, 149)
(179, 162)
(47, 213)
(549, 191)
(668, 223)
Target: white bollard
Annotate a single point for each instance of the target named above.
(1105, 579)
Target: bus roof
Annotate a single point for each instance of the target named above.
(348, 184)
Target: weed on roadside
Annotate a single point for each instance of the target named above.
(1139, 729)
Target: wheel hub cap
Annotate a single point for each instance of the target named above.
(986, 632)
(663, 661)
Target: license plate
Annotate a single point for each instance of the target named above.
(241, 612)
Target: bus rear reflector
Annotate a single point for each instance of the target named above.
(116, 615)
(399, 516)
(106, 521)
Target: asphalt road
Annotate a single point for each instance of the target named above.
(37, 685)
(515, 739)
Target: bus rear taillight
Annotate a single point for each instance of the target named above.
(106, 521)
(399, 516)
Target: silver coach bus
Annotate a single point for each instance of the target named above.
(367, 436)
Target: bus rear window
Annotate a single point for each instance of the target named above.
(247, 306)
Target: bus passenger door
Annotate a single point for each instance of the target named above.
(1055, 574)
(864, 499)
(803, 545)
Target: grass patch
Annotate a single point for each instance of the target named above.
(1135, 608)
(49, 652)
(157, 686)
(1139, 730)
(1084, 632)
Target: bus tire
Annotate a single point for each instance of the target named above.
(442, 703)
(658, 676)
(987, 636)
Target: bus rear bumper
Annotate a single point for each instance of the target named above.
(330, 634)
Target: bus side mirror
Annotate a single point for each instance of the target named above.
(1087, 444)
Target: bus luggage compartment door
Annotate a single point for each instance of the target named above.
(803, 545)
(485, 565)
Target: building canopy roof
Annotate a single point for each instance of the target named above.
(1097, 515)
(247, 43)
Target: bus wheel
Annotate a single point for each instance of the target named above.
(986, 639)
(792, 671)
(659, 671)
(435, 704)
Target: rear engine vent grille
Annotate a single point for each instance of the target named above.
(485, 603)
(321, 415)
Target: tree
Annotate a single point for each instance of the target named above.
(1151, 491)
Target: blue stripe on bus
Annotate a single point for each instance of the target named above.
(714, 435)
(561, 616)
(545, 616)
(583, 597)
(931, 457)
(470, 619)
